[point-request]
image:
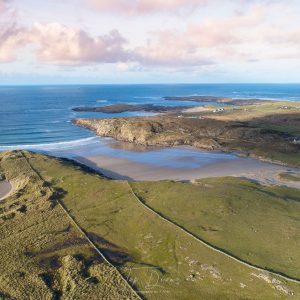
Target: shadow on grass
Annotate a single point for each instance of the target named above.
(113, 253)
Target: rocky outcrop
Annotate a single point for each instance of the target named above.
(208, 134)
(149, 131)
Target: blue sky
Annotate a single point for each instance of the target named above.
(149, 41)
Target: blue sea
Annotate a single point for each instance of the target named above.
(39, 117)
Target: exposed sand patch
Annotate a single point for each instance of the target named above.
(119, 168)
(269, 177)
(5, 189)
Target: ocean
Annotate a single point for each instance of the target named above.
(39, 117)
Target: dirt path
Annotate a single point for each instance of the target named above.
(210, 246)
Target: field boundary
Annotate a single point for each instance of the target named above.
(77, 226)
(210, 246)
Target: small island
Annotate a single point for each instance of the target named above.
(120, 108)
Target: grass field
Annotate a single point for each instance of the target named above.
(257, 111)
(274, 116)
(49, 256)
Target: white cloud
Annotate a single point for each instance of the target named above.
(11, 33)
(238, 36)
(141, 7)
(11, 38)
(4, 6)
(60, 44)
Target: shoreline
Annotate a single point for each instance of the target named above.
(259, 130)
(251, 169)
(178, 168)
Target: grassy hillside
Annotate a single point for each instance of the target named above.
(258, 224)
(49, 256)
(43, 255)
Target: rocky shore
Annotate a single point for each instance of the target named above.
(150, 131)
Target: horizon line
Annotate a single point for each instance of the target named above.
(149, 83)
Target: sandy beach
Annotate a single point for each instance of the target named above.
(120, 168)
(5, 189)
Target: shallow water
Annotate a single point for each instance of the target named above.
(175, 157)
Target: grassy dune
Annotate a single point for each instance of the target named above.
(49, 257)
(43, 256)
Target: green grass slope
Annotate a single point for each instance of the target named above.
(161, 260)
(258, 224)
(43, 255)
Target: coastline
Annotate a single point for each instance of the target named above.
(264, 130)
(243, 131)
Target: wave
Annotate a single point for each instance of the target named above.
(101, 101)
(132, 103)
(43, 110)
(50, 146)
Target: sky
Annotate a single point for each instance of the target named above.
(149, 41)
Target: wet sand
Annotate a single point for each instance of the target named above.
(120, 168)
(5, 189)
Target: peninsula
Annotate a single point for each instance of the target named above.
(266, 130)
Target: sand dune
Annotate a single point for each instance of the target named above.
(5, 189)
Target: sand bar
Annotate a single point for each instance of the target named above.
(5, 189)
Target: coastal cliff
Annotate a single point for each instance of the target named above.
(200, 133)
(150, 132)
